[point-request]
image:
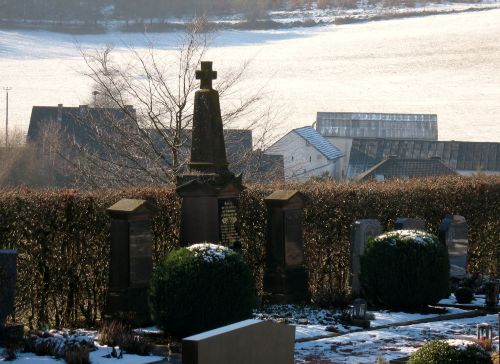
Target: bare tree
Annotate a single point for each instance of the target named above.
(147, 143)
(26, 164)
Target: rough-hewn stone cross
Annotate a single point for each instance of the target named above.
(206, 75)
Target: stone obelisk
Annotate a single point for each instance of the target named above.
(209, 190)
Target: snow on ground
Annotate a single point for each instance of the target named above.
(96, 357)
(310, 322)
(366, 346)
(346, 344)
(479, 300)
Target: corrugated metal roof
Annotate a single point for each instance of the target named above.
(374, 116)
(319, 142)
(404, 168)
(457, 155)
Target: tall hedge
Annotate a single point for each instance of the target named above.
(62, 235)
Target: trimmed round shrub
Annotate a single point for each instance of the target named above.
(200, 288)
(440, 352)
(464, 295)
(405, 269)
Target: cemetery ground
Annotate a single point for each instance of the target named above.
(320, 338)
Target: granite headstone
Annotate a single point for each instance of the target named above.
(8, 271)
(245, 342)
(285, 277)
(362, 230)
(131, 260)
(453, 233)
(409, 223)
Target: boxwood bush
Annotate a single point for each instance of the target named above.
(200, 288)
(464, 295)
(440, 352)
(405, 269)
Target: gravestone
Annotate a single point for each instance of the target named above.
(453, 233)
(409, 223)
(285, 278)
(245, 342)
(9, 332)
(131, 261)
(209, 190)
(8, 271)
(362, 230)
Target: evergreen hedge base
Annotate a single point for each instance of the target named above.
(440, 352)
(200, 288)
(405, 269)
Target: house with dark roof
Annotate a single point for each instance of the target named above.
(341, 128)
(72, 125)
(306, 153)
(71, 121)
(394, 167)
(466, 158)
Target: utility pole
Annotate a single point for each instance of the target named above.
(7, 89)
(95, 93)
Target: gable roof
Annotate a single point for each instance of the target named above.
(469, 156)
(70, 119)
(404, 168)
(319, 142)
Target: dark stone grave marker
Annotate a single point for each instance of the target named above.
(362, 230)
(209, 191)
(8, 271)
(131, 262)
(245, 342)
(453, 233)
(409, 223)
(285, 278)
(9, 332)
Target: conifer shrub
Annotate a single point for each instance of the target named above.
(200, 288)
(405, 269)
(464, 295)
(440, 352)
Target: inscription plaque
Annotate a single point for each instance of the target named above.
(140, 253)
(294, 255)
(229, 232)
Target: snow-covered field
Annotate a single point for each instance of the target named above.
(444, 64)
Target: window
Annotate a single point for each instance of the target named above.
(310, 159)
(292, 158)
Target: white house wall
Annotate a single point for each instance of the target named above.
(344, 144)
(301, 160)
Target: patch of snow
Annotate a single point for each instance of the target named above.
(420, 237)
(148, 330)
(210, 252)
(365, 347)
(96, 357)
(479, 300)
(390, 317)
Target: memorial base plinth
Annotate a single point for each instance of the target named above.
(128, 304)
(209, 210)
(289, 286)
(11, 333)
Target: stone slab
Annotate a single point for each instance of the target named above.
(362, 230)
(245, 342)
(409, 223)
(8, 270)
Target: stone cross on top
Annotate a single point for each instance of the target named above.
(206, 75)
